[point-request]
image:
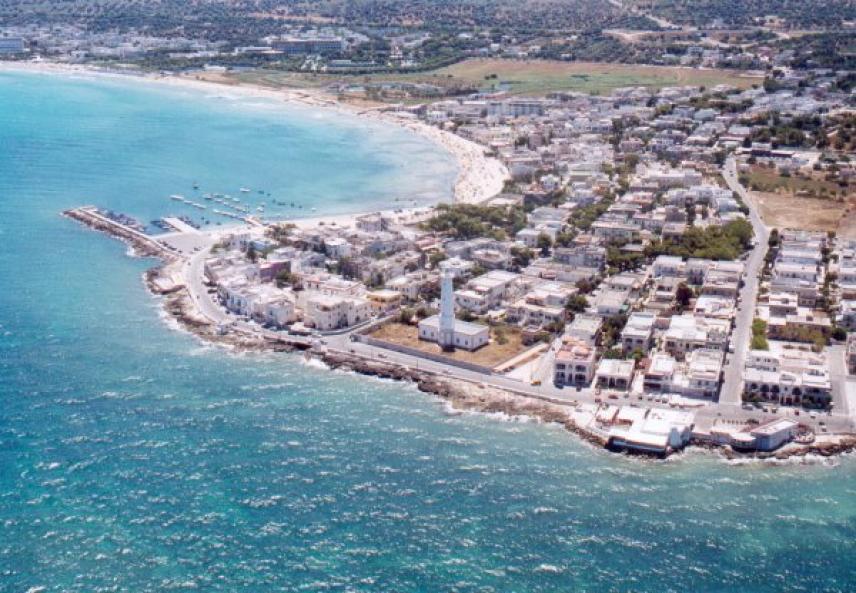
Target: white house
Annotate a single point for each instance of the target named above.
(329, 312)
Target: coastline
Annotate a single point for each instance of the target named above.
(479, 177)
(462, 395)
(179, 305)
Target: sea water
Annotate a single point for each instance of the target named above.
(134, 458)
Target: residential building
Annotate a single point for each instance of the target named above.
(687, 333)
(614, 374)
(638, 331)
(574, 363)
(327, 312)
(787, 374)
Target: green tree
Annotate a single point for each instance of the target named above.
(584, 286)
(520, 256)
(283, 278)
(544, 244)
(683, 296)
(577, 304)
(435, 258)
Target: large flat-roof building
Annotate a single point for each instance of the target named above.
(788, 373)
(293, 46)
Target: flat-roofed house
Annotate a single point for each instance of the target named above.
(586, 327)
(329, 312)
(383, 300)
(687, 333)
(574, 363)
(487, 291)
(789, 374)
(613, 373)
(668, 265)
(638, 331)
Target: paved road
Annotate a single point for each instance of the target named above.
(705, 415)
(194, 274)
(732, 387)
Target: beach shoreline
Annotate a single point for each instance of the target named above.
(479, 177)
(179, 307)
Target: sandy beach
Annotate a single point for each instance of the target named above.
(480, 177)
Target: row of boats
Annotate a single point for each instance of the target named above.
(180, 198)
(231, 206)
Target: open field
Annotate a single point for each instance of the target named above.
(804, 202)
(765, 179)
(490, 356)
(529, 77)
(786, 211)
(544, 76)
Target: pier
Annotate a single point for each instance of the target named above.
(145, 244)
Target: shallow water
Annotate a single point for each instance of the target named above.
(134, 458)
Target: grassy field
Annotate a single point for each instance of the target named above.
(543, 76)
(533, 77)
(490, 356)
(766, 179)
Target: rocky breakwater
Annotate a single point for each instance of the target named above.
(141, 245)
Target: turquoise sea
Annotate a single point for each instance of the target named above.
(133, 458)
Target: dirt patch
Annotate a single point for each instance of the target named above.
(787, 211)
(803, 201)
(505, 343)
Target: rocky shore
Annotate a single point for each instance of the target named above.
(825, 446)
(178, 306)
(461, 395)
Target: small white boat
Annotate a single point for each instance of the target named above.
(177, 197)
(245, 190)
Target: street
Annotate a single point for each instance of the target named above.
(732, 387)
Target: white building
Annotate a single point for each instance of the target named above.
(688, 332)
(445, 329)
(328, 312)
(574, 363)
(638, 331)
(788, 373)
(487, 291)
(651, 430)
(613, 373)
(585, 327)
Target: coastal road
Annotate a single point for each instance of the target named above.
(732, 387)
(706, 415)
(194, 282)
